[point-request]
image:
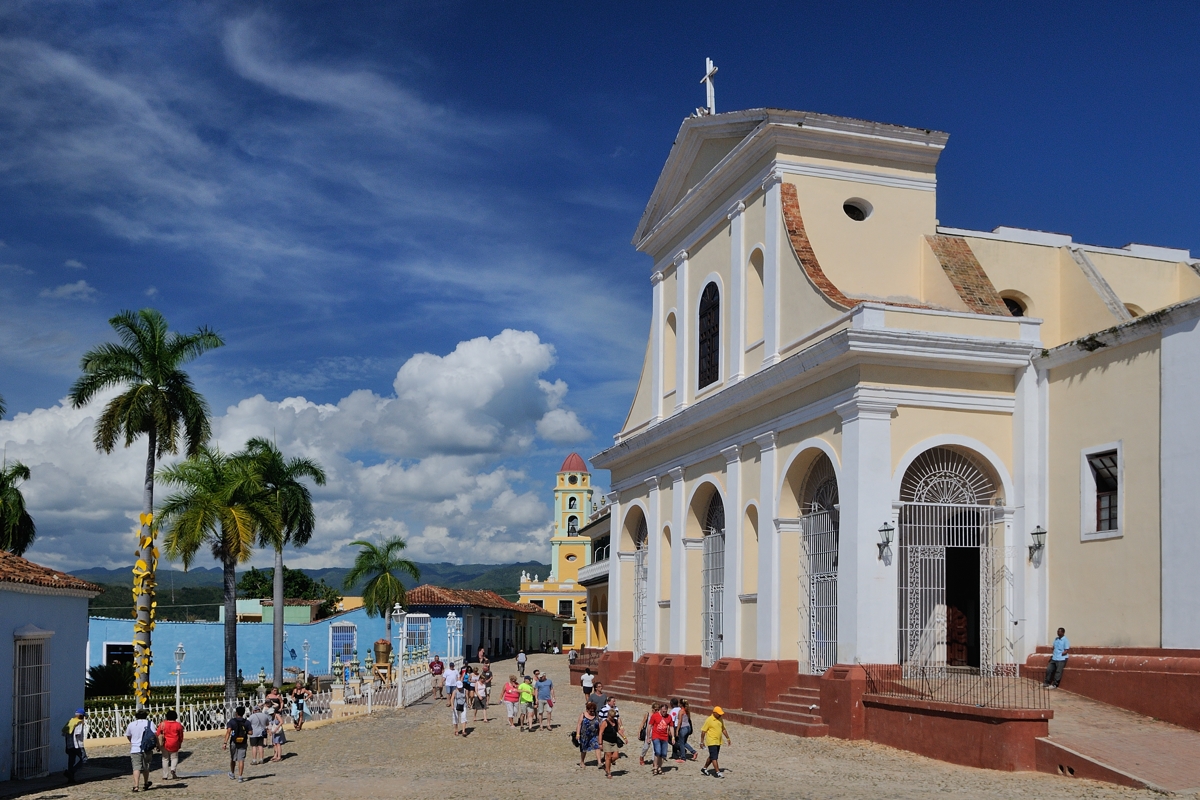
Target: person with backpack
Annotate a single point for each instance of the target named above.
(170, 740)
(73, 732)
(237, 737)
(143, 739)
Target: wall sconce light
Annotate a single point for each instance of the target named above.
(885, 539)
(1038, 535)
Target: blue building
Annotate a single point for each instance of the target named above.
(45, 612)
(479, 618)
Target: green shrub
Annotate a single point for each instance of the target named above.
(106, 680)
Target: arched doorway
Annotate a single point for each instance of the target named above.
(713, 589)
(641, 580)
(818, 503)
(951, 564)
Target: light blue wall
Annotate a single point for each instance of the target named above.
(67, 617)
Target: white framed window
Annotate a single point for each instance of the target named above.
(343, 641)
(1101, 492)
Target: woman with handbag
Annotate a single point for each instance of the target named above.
(644, 733)
(685, 730)
(612, 738)
(587, 734)
(511, 697)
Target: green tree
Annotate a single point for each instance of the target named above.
(379, 566)
(159, 402)
(282, 480)
(16, 525)
(297, 585)
(221, 505)
(3, 408)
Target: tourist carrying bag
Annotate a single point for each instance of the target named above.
(149, 739)
(238, 735)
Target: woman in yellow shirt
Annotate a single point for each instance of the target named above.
(710, 733)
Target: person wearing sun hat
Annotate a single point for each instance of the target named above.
(710, 733)
(74, 732)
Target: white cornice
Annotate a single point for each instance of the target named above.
(693, 544)
(1138, 328)
(1048, 239)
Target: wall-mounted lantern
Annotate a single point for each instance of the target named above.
(1038, 535)
(885, 540)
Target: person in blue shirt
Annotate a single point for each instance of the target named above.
(545, 697)
(1058, 659)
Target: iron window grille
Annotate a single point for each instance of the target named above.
(1104, 471)
(710, 336)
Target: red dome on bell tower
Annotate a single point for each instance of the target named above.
(574, 463)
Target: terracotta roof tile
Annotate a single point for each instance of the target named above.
(14, 569)
(427, 595)
(293, 602)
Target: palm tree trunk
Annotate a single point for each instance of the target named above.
(229, 568)
(277, 616)
(141, 635)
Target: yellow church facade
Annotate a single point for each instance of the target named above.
(860, 435)
(560, 592)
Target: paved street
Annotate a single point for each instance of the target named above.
(413, 754)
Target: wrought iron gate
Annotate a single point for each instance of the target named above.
(927, 531)
(819, 567)
(641, 575)
(454, 636)
(714, 581)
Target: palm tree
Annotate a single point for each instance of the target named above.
(3, 408)
(379, 565)
(280, 478)
(16, 526)
(160, 402)
(221, 504)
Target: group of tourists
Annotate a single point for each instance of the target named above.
(665, 728)
(528, 699)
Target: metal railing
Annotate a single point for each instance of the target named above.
(1000, 687)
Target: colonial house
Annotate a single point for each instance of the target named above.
(862, 436)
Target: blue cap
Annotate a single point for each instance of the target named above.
(79, 711)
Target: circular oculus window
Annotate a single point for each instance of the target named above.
(572, 558)
(572, 480)
(857, 209)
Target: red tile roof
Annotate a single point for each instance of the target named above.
(293, 602)
(14, 569)
(427, 595)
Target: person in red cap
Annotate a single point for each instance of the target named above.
(711, 732)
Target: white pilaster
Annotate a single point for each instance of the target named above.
(654, 558)
(771, 261)
(768, 551)
(615, 584)
(679, 588)
(737, 294)
(657, 316)
(1027, 503)
(731, 637)
(683, 316)
(867, 586)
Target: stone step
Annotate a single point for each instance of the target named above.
(798, 717)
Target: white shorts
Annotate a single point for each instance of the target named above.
(458, 717)
(510, 707)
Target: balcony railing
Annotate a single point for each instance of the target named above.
(593, 571)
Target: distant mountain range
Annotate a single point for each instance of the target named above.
(503, 579)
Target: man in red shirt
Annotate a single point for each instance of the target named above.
(661, 734)
(437, 668)
(170, 739)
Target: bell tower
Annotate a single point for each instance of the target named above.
(572, 508)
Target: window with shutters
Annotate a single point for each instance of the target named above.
(709, 328)
(1101, 492)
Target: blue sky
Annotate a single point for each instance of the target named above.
(338, 188)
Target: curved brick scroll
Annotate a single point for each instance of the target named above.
(803, 248)
(966, 275)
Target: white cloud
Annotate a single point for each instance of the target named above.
(151, 291)
(74, 264)
(429, 463)
(80, 290)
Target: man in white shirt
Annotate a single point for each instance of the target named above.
(142, 737)
(452, 681)
(259, 722)
(75, 729)
(521, 659)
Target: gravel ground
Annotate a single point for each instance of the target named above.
(413, 754)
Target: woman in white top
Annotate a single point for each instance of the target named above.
(587, 681)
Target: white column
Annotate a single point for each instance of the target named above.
(653, 565)
(683, 315)
(615, 584)
(771, 258)
(768, 551)
(733, 550)
(736, 365)
(679, 589)
(1027, 504)
(867, 586)
(658, 320)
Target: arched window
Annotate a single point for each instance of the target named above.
(572, 503)
(572, 526)
(754, 298)
(709, 336)
(668, 357)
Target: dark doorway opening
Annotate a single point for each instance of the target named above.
(962, 607)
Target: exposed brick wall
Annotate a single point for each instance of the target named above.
(803, 248)
(966, 275)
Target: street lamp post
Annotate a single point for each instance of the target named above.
(180, 655)
(305, 647)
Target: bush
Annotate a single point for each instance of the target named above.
(107, 680)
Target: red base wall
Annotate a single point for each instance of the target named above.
(1164, 684)
(988, 738)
